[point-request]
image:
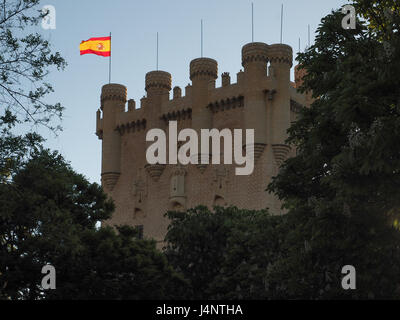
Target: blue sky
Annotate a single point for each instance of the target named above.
(134, 25)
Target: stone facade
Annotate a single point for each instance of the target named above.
(263, 99)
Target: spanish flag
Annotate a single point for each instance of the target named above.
(100, 46)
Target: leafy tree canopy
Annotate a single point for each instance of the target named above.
(25, 61)
(226, 253)
(48, 215)
(342, 189)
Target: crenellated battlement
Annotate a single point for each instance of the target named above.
(203, 68)
(159, 83)
(177, 115)
(158, 80)
(280, 53)
(255, 52)
(113, 92)
(226, 104)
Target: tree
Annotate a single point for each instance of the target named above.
(48, 215)
(342, 189)
(225, 253)
(25, 61)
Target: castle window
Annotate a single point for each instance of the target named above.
(219, 201)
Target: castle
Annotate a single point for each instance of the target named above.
(263, 99)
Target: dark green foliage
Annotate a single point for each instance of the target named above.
(117, 266)
(225, 254)
(342, 189)
(48, 215)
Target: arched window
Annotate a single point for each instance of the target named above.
(219, 201)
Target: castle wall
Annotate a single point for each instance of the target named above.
(264, 100)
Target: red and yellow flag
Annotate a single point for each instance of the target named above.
(100, 46)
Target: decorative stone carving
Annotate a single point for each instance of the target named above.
(256, 149)
(281, 152)
(155, 170)
(110, 180)
(201, 159)
(139, 188)
(177, 187)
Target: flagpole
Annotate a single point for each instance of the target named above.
(252, 22)
(157, 54)
(282, 23)
(109, 67)
(201, 37)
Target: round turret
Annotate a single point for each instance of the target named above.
(158, 80)
(280, 53)
(254, 51)
(113, 99)
(254, 61)
(281, 58)
(113, 92)
(204, 68)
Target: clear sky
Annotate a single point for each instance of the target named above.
(134, 25)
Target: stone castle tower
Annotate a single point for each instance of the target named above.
(263, 99)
